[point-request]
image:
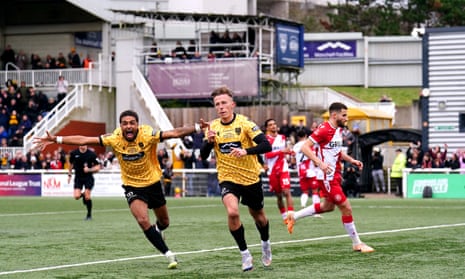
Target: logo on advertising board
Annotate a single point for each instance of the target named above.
(54, 184)
(283, 42)
(330, 49)
(289, 42)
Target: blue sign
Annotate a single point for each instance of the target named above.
(330, 49)
(88, 39)
(289, 45)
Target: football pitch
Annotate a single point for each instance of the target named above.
(48, 238)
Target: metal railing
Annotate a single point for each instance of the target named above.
(73, 100)
(100, 73)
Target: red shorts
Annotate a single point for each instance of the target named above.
(279, 181)
(332, 190)
(308, 183)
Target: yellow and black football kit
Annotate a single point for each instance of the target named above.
(239, 133)
(138, 159)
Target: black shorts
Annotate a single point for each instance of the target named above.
(152, 195)
(87, 182)
(251, 195)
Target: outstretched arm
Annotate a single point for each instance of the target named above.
(42, 142)
(184, 131)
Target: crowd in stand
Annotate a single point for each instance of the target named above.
(55, 160)
(33, 61)
(220, 46)
(435, 157)
(21, 107)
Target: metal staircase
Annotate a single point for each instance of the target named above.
(54, 118)
(153, 106)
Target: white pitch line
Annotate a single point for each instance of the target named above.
(225, 248)
(98, 210)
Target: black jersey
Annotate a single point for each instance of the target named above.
(79, 159)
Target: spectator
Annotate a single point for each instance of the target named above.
(437, 150)
(55, 163)
(21, 60)
(397, 167)
(180, 51)
(461, 155)
(347, 138)
(287, 130)
(13, 123)
(50, 62)
(168, 175)
(86, 63)
(350, 184)
(60, 61)
(34, 163)
(211, 57)
(302, 126)
(3, 133)
(51, 104)
(197, 140)
(4, 118)
(414, 162)
(21, 163)
(191, 49)
(23, 96)
(162, 158)
(25, 123)
(32, 111)
(61, 87)
(214, 39)
(73, 59)
(36, 62)
(452, 162)
(377, 171)
(385, 99)
(8, 56)
(155, 51)
(225, 40)
(437, 162)
(427, 163)
(237, 41)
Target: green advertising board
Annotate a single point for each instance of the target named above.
(445, 186)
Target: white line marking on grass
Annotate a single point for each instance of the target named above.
(101, 210)
(223, 248)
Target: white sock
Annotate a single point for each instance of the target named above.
(245, 252)
(307, 211)
(169, 253)
(266, 243)
(352, 232)
(284, 215)
(303, 199)
(315, 198)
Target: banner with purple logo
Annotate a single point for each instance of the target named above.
(20, 184)
(330, 49)
(199, 79)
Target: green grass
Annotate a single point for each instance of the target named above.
(401, 96)
(47, 238)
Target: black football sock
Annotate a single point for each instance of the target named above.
(89, 208)
(239, 236)
(161, 227)
(155, 238)
(264, 231)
